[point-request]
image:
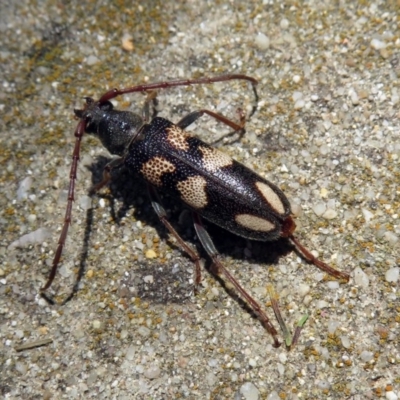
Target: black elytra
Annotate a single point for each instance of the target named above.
(209, 182)
(229, 191)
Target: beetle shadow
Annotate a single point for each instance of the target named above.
(124, 193)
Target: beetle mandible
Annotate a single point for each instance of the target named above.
(206, 180)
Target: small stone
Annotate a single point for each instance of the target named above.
(21, 367)
(284, 23)
(151, 253)
(332, 326)
(366, 355)
(252, 362)
(391, 237)
(153, 372)
(262, 41)
(24, 187)
(361, 278)
(296, 78)
(249, 391)
(91, 60)
(273, 396)
(143, 331)
(303, 289)
(149, 279)
(368, 215)
(354, 98)
(85, 202)
(127, 42)
(130, 353)
(391, 395)
(96, 324)
(299, 104)
(345, 341)
(329, 214)
(333, 285)
(392, 274)
(378, 44)
(319, 209)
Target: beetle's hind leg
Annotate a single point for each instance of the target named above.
(161, 213)
(219, 269)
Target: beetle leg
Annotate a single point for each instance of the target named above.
(161, 213)
(219, 269)
(106, 174)
(150, 98)
(195, 115)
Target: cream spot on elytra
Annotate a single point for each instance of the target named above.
(254, 223)
(155, 168)
(193, 191)
(177, 138)
(214, 159)
(271, 197)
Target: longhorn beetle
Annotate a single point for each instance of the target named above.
(206, 180)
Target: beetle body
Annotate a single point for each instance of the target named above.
(206, 180)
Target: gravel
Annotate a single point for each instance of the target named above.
(326, 130)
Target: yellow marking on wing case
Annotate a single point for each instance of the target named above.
(254, 223)
(193, 191)
(155, 168)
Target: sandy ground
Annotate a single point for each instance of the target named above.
(326, 131)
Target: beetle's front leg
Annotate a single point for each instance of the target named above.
(219, 269)
(106, 175)
(161, 213)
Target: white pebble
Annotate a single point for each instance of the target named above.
(332, 326)
(21, 367)
(322, 304)
(391, 237)
(368, 215)
(345, 341)
(324, 385)
(333, 285)
(152, 372)
(391, 395)
(354, 98)
(366, 355)
(284, 23)
(303, 289)
(252, 362)
(38, 236)
(392, 274)
(299, 104)
(96, 324)
(149, 279)
(296, 78)
(91, 60)
(297, 96)
(262, 41)
(329, 214)
(378, 44)
(395, 96)
(23, 188)
(249, 391)
(85, 202)
(319, 209)
(361, 278)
